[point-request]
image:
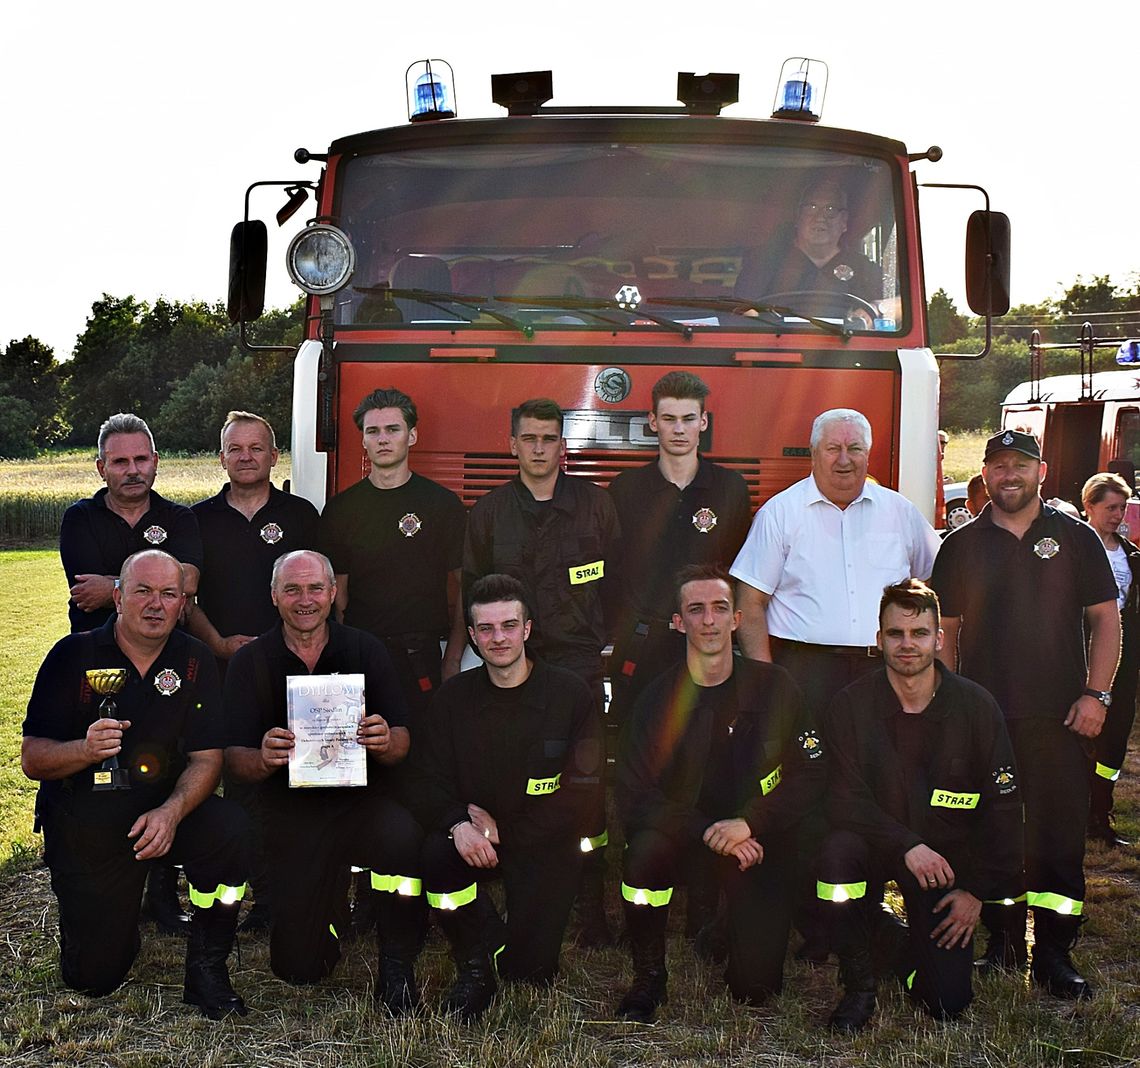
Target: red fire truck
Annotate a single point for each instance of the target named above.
(580, 253)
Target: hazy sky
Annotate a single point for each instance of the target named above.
(132, 129)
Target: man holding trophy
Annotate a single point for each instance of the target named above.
(124, 731)
(316, 716)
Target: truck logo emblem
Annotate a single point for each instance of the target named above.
(1047, 548)
(154, 535)
(612, 385)
(410, 525)
(628, 297)
(271, 533)
(704, 519)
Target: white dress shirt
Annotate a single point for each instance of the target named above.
(825, 567)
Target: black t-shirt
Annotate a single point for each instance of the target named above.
(397, 547)
(664, 528)
(719, 704)
(255, 698)
(1021, 604)
(174, 709)
(239, 553)
(93, 540)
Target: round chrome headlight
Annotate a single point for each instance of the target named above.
(320, 259)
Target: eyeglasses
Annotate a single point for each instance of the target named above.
(828, 211)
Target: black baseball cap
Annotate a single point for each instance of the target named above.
(1012, 440)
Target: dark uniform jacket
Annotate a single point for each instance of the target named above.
(561, 551)
(531, 756)
(774, 756)
(970, 809)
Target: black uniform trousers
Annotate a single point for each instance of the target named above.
(99, 883)
(312, 843)
(759, 901)
(1053, 773)
(540, 883)
(938, 979)
(1111, 745)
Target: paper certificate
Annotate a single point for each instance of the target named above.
(324, 714)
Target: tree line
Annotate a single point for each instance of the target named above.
(180, 366)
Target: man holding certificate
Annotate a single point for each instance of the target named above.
(317, 717)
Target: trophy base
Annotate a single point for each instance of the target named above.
(115, 779)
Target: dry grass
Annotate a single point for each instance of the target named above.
(963, 457)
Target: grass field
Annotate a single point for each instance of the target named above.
(335, 1023)
(963, 457)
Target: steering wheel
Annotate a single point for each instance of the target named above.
(825, 299)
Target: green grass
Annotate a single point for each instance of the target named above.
(963, 457)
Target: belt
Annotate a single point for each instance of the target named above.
(864, 651)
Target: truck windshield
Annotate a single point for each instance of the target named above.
(711, 236)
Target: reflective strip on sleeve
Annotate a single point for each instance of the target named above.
(771, 781)
(640, 896)
(1058, 903)
(949, 799)
(1111, 774)
(1007, 900)
(404, 885)
(840, 891)
(454, 901)
(224, 895)
(588, 845)
(543, 786)
(587, 572)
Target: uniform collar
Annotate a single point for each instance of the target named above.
(887, 702)
(534, 689)
(815, 494)
(561, 499)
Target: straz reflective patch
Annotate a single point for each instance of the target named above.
(543, 786)
(772, 780)
(947, 799)
(587, 572)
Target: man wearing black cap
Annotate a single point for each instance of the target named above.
(1016, 586)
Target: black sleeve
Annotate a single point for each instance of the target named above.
(206, 726)
(183, 539)
(739, 519)
(383, 693)
(478, 544)
(432, 771)
(247, 699)
(944, 579)
(1096, 579)
(456, 532)
(331, 540)
(53, 709)
(78, 546)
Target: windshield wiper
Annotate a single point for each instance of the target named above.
(440, 300)
(730, 304)
(594, 305)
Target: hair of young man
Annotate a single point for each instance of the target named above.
(841, 415)
(386, 398)
(281, 561)
(913, 596)
(122, 423)
(1101, 485)
(491, 589)
(701, 573)
(247, 417)
(541, 408)
(680, 385)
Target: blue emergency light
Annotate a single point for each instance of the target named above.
(430, 90)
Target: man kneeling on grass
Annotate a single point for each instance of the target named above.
(923, 791)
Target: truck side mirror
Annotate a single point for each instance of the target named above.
(249, 246)
(987, 262)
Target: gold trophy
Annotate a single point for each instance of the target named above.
(107, 682)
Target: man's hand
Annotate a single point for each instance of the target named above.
(1086, 716)
(154, 831)
(474, 847)
(225, 648)
(929, 869)
(374, 734)
(484, 823)
(725, 835)
(104, 739)
(748, 854)
(91, 592)
(276, 745)
(957, 927)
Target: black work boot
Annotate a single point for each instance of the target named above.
(396, 986)
(592, 927)
(1053, 968)
(364, 905)
(856, 972)
(207, 980)
(160, 902)
(401, 927)
(473, 990)
(1101, 825)
(645, 926)
(889, 938)
(1005, 949)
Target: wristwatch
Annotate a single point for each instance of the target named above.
(1103, 696)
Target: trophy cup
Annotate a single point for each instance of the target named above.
(107, 682)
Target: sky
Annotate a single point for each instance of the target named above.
(131, 130)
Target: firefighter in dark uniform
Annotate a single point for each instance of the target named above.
(124, 731)
(557, 535)
(508, 775)
(1105, 498)
(244, 528)
(922, 790)
(720, 762)
(313, 835)
(1019, 587)
(99, 533)
(680, 509)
